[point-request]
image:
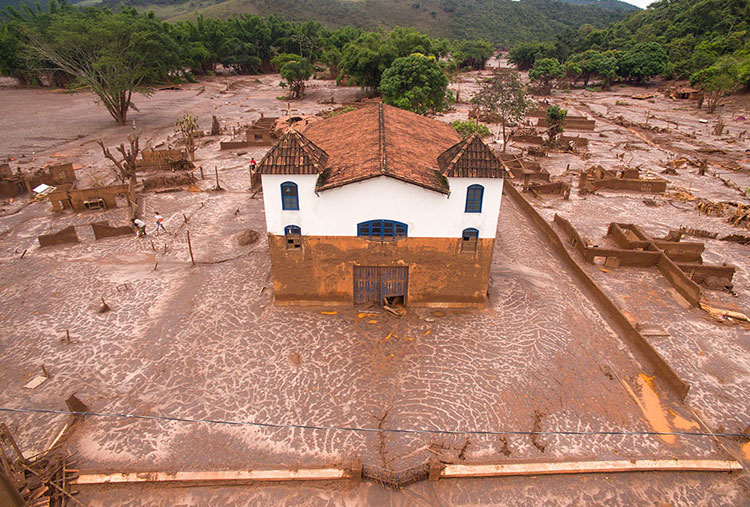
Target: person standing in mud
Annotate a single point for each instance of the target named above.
(159, 225)
(140, 226)
(252, 166)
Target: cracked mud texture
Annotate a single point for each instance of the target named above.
(207, 342)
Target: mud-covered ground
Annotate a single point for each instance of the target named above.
(206, 342)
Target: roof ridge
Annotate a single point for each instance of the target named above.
(383, 160)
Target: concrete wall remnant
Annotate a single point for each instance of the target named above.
(104, 230)
(558, 187)
(54, 175)
(260, 133)
(597, 177)
(12, 185)
(571, 123)
(681, 263)
(160, 160)
(88, 198)
(67, 235)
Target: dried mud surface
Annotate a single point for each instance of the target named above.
(206, 342)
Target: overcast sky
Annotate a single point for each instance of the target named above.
(640, 3)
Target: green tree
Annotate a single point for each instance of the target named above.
(113, 54)
(545, 71)
(717, 80)
(503, 96)
(593, 63)
(524, 55)
(296, 72)
(643, 61)
(555, 118)
(366, 58)
(473, 53)
(415, 83)
(467, 128)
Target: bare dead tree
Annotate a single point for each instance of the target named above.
(125, 168)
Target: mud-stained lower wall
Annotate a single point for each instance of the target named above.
(322, 271)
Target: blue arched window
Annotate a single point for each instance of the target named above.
(289, 195)
(382, 229)
(474, 196)
(293, 234)
(469, 239)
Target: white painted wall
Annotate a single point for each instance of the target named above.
(336, 212)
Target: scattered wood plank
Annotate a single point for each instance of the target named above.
(302, 474)
(588, 467)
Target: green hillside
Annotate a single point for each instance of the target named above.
(605, 4)
(504, 22)
(694, 33)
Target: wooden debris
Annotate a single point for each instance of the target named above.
(398, 311)
(698, 233)
(40, 480)
(723, 314)
(711, 208)
(37, 380)
(737, 238)
(587, 467)
(300, 474)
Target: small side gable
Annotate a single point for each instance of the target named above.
(293, 154)
(471, 158)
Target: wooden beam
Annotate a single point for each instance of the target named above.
(589, 467)
(302, 474)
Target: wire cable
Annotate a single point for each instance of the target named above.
(370, 430)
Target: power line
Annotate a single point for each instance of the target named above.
(368, 430)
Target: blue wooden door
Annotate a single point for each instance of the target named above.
(393, 282)
(366, 284)
(373, 283)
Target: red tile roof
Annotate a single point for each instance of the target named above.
(381, 140)
(293, 154)
(471, 158)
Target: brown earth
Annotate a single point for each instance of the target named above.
(206, 342)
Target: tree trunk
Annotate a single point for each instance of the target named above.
(505, 139)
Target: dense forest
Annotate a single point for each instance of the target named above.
(707, 41)
(503, 22)
(687, 36)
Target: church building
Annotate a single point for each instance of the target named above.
(380, 205)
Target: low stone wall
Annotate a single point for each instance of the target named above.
(610, 310)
